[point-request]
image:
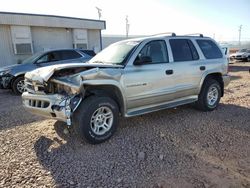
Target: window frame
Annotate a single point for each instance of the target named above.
(166, 51)
(218, 48)
(191, 46)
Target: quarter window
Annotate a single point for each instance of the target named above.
(183, 50)
(209, 49)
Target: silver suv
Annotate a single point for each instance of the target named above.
(129, 78)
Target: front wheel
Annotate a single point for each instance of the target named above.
(96, 119)
(18, 85)
(209, 96)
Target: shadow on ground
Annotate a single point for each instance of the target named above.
(12, 113)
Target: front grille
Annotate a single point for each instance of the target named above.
(38, 103)
(239, 56)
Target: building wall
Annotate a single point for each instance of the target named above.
(45, 38)
(6, 49)
(94, 40)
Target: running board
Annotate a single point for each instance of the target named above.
(161, 107)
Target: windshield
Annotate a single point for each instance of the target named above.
(115, 53)
(32, 58)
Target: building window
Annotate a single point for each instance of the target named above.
(81, 46)
(25, 48)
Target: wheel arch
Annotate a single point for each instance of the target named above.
(15, 77)
(216, 76)
(111, 91)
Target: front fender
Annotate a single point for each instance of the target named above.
(107, 82)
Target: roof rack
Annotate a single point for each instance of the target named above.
(194, 34)
(166, 33)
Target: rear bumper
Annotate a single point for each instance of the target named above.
(226, 80)
(50, 106)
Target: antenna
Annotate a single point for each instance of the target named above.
(99, 11)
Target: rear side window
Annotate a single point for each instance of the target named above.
(209, 49)
(69, 54)
(183, 50)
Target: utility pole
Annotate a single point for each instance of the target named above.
(127, 26)
(240, 27)
(99, 11)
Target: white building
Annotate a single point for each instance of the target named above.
(22, 35)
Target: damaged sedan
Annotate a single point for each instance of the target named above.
(129, 78)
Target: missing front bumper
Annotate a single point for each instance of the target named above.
(54, 106)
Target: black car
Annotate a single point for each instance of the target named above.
(12, 77)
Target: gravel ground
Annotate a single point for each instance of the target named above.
(179, 147)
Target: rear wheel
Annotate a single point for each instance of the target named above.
(96, 119)
(18, 86)
(209, 96)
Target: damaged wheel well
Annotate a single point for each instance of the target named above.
(106, 90)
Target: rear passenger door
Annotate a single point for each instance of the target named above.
(185, 66)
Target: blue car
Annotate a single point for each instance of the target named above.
(12, 77)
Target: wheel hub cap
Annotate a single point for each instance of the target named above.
(212, 95)
(102, 120)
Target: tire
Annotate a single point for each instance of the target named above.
(209, 96)
(91, 116)
(18, 85)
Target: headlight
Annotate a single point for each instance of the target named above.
(4, 72)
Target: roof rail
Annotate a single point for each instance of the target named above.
(195, 34)
(166, 33)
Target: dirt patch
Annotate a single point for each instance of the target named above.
(179, 147)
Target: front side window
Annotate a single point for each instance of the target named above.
(49, 57)
(183, 50)
(156, 51)
(209, 49)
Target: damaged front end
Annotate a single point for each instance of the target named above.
(56, 91)
(55, 97)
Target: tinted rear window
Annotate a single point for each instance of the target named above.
(89, 52)
(209, 49)
(70, 54)
(183, 50)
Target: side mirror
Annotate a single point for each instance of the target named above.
(143, 60)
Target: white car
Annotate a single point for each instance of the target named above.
(243, 54)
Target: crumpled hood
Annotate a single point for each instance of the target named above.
(43, 74)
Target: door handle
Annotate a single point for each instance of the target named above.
(169, 72)
(202, 68)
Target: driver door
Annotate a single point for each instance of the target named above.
(149, 84)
